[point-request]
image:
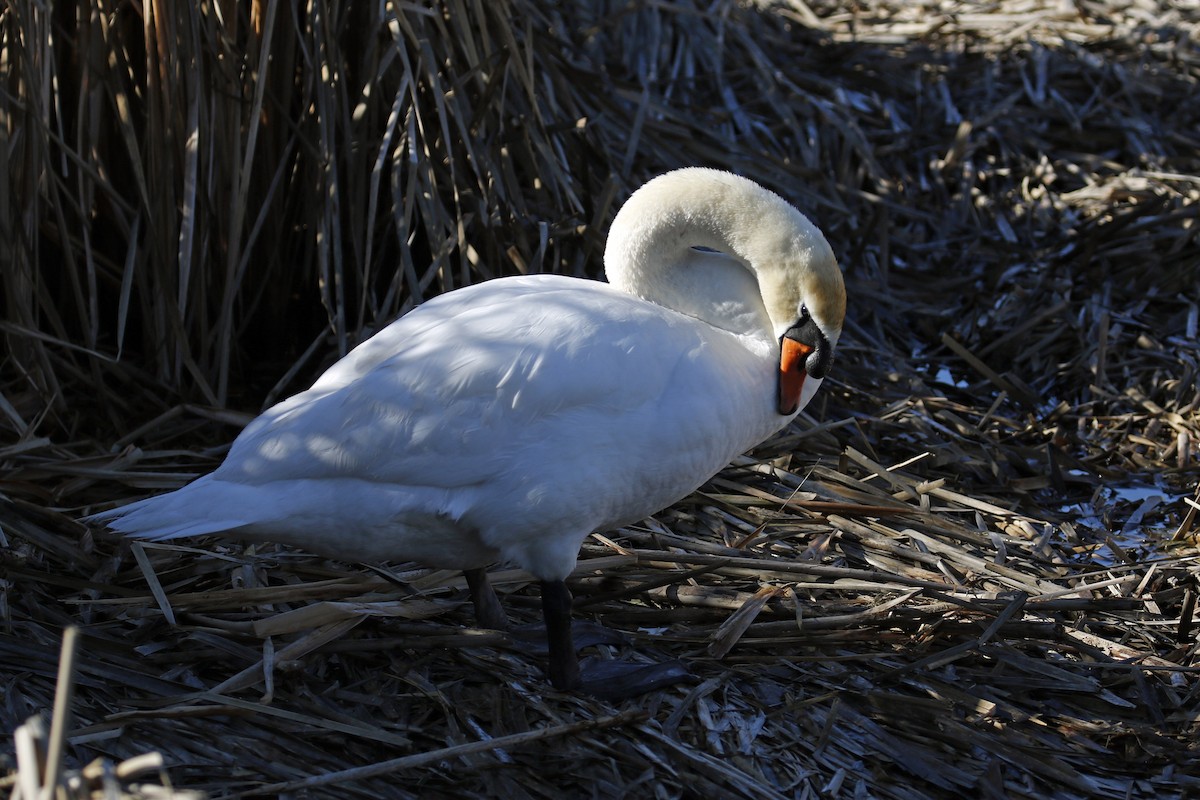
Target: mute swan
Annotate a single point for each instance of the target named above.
(508, 420)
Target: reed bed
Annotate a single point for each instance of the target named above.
(969, 568)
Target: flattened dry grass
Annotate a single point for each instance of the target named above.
(969, 568)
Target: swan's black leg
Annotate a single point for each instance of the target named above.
(556, 608)
(488, 611)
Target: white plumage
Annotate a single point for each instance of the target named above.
(508, 420)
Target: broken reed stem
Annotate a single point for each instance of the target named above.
(761, 565)
(64, 697)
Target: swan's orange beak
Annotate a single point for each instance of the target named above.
(792, 355)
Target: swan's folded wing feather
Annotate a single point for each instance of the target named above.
(449, 393)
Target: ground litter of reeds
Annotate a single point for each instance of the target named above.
(968, 569)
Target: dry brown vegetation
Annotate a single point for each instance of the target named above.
(969, 569)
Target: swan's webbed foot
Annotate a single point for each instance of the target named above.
(609, 680)
(560, 639)
(621, 680)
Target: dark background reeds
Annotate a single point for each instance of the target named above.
(969, 568)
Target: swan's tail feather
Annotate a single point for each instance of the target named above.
(195, 510)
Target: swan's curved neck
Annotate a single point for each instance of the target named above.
(651, 250)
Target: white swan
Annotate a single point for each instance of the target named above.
(508, 420)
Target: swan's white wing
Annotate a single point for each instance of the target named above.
(445, 396)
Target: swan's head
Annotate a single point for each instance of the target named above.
(799, 283)
(802, 290)
(805, 298)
